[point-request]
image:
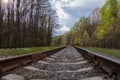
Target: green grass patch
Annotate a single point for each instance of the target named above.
(20, 51)
(112, 52)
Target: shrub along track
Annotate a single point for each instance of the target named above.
(66, 64)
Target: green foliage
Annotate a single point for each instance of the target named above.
(85, 36)
(100, 29)
(109, 14)
(26, 23)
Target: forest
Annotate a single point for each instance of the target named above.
(100, 29)
(31, 23)
(26, 23)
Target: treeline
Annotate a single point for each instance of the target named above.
(26, 23)
(100, 29)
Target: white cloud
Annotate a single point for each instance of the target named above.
(77, 3)
(60, 13)
(64, 28)
(66, 1)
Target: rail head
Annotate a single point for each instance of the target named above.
(14, 62)
(101, 55)
(108, 63)
(29, 54)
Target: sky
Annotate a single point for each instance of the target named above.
(70, 11)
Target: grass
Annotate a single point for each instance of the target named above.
(112, 52)
(20, 51)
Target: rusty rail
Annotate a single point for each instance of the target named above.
(12, 63)
(109, 64)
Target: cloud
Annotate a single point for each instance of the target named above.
(60, 12)
(70, 11)
(64, 28)
(77, 3)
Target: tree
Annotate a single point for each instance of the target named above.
(26, 23)
(100, 29)
(109, 16)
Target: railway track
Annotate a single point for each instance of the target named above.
(59, 64)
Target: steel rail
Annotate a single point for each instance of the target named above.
(22, 60)
(108, 63)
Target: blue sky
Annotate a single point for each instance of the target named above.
(70, 11)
